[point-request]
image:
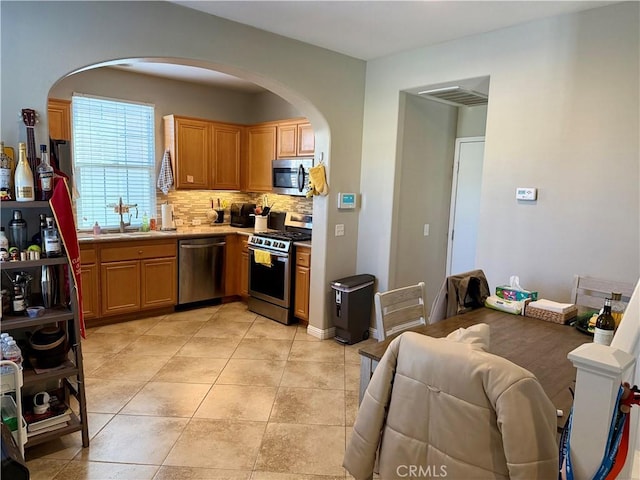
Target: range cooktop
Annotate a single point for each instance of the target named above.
(278, 241)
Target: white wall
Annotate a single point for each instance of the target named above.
(44, 41)
(562, 117)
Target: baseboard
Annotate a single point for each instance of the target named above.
(320, 333)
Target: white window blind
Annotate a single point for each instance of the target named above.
(113, 151)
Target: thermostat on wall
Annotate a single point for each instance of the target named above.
(347, 201)
(526, 193)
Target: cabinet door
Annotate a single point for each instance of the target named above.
(159, 283)
(192, 153)
(232, 262)
(261, 151)
(244, 269)
(306, 140)
(59, 114)
(302, 283)
(120, 287)
(90, 305)
(225, 168)
(287, 140)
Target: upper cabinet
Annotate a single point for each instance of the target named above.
(295, 139)
(59, 114)
(209, 155)
(225, 160)
(261, 151)
(204, 154)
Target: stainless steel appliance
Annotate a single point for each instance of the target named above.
(242, 215)
(200, 269)
(271, 279)
(290, 176)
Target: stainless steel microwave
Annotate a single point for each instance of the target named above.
(290, 176)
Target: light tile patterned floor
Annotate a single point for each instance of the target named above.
(213, 393)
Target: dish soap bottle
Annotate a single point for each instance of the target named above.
(96, 229)
(145, 222)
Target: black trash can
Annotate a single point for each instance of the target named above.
(352, 300)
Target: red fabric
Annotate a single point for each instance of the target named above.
(63, 212)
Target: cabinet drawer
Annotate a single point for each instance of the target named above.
(137, 251)
(87, 256)
(303, 257)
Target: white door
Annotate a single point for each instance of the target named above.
(465, 205)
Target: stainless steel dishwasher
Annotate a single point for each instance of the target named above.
(200, 269)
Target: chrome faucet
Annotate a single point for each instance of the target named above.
(121, 208)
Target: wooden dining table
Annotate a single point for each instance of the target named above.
(539, 346)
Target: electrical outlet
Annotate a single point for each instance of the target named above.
(195, 222)
(178, 222)
(339, 229)
(426, 229)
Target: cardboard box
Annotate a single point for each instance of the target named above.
(508, 293)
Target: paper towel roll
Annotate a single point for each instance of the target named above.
(167, 217)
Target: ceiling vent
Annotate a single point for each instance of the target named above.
(456, 96)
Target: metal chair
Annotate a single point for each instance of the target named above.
(591, 291)
(400, 309)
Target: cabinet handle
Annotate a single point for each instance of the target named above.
(139, 252)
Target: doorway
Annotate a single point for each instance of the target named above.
(465, 204)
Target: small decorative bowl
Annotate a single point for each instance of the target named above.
(34, 312)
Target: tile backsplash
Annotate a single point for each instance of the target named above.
(192, 205)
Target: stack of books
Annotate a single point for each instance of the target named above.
(57, 416)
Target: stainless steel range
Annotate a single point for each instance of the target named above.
(271, 255)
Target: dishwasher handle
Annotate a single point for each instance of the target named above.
(205, 245)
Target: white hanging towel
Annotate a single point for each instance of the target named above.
(165, 179)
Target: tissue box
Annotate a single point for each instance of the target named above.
(509, 293)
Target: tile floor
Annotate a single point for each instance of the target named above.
(213, 393)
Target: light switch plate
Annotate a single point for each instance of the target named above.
(339, 229)
(526, 193)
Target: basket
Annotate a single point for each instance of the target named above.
(549, 316)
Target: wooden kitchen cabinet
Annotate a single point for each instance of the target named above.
(205, 155)
(261, 151)
(189, 143)
(90, 273)
(295, 139)
(158, 285)
(120, 287)
(225, 161)
(137, 276)
(244, 267)
(232, 260)
(302, 283)
(59, 115)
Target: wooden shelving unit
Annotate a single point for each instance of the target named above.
(71, 376)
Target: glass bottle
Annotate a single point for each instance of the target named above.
(18, 231)
(605, 325)
(4, 246)
(23, 180)
(5, 175)
(44, 174)
(617, 307)
(51, 240)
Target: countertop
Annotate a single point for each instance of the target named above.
(178, 234)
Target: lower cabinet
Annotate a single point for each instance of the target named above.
(137, 276)
(244, 267)
(90, 273)
(302, 283)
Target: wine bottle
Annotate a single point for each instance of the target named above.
(24, 177)
(5, 175)
(605, 325)
(44, 174)
(617, 307)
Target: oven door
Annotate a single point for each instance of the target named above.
(290, 176)
(270, 283)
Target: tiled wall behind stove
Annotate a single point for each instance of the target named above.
(192, 205)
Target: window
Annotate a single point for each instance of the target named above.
(113, 150)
